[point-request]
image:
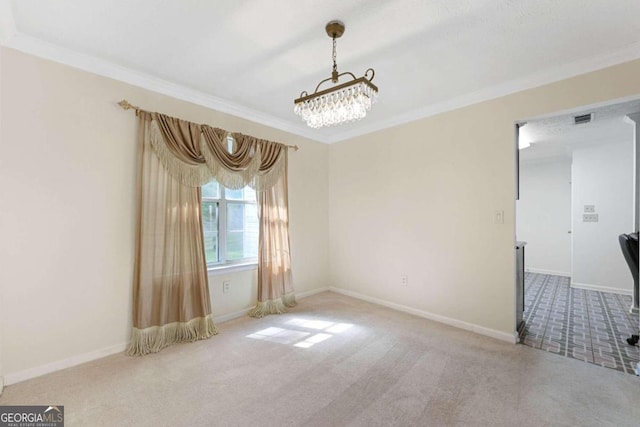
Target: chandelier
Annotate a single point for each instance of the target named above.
(341, 103)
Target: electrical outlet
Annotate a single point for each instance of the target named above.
(590, 217)
(404, 280)
(498, 217)
(589, 208)
(225, 286)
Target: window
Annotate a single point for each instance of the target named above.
(230, 224)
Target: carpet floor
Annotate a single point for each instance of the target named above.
(338, 361)
(587, 325)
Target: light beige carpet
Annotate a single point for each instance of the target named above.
(337, 361)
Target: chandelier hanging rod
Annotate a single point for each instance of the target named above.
(125, 105)
(341, 103)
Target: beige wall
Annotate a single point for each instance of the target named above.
(67, 180)
(419, 199)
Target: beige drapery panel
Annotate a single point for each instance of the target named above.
(170, 289)
(171, 293)
(275, 285)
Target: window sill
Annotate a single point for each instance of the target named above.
(231, 268)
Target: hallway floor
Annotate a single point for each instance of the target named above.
(586, 325)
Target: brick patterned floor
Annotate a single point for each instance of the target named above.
(587, 325)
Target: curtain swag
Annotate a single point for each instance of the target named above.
(253, 162)
(171, 301)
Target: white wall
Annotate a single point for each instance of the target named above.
(419, 199)
(67, 180)
(544, 214)
(602, 176)
(242, 294)
(634, 120)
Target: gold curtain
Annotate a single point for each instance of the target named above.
(275, 283)
(171, 293)
(171, 301)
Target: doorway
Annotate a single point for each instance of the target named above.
(576, 186)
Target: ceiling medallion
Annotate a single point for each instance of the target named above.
(341, 103)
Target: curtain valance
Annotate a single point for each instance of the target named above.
(195, 154)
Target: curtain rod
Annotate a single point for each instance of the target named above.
(125, 105)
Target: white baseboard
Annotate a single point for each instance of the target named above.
(590, 287)
(230, 316)
(551, 272)
(58, 365)
(28, 374)
(311, 292)
(502, 336)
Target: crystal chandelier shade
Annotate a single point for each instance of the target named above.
(340, 106)
(342, 103)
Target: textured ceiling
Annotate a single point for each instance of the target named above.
(559, 136)
(252, 58)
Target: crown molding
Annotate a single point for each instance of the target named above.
(37, 47)
(565, 71)
(92, 64)
(632, 118)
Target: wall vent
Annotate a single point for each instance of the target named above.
(584, 118)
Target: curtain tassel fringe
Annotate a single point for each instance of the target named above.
(155, 338)
(274, 306)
